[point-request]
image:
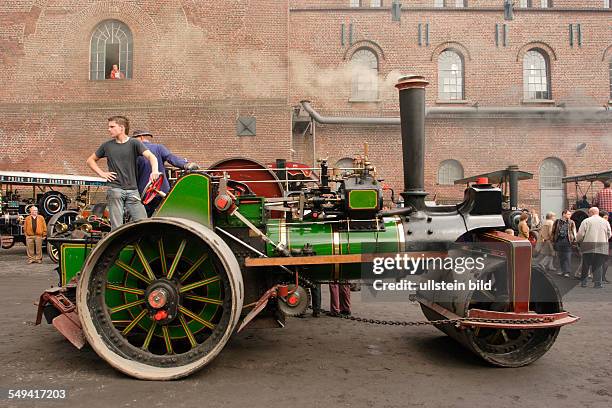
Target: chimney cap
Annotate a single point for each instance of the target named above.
(411, 81)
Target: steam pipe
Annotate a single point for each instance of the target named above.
(508, 110)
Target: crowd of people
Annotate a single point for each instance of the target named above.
(558, 239)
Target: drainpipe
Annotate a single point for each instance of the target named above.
(508, 110)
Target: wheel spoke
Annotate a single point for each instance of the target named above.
(204, 299)
(134, 322)
(124, 289)
(167, 340)
(132, 271)
(162, 256)
(198, 284)
(192, 339)
(195, 317)
(126, 306)
(177, 258)
(147, 341)
(144, 262)
(195, 266)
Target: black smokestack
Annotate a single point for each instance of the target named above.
(513, 182)
(412, 116)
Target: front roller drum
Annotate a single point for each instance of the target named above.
(159, 299)
(500, 346)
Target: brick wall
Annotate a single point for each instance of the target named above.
(199, 64)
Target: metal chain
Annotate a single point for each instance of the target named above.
(455, 322)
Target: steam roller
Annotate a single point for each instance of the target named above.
(158, 299)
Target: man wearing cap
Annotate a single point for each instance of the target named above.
(163, 154)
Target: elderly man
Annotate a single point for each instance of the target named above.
(121, 153)
(593, 237)
(163, 154)
(35, 229)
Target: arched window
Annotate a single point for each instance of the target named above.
(449, 171)
(111, 44)
(364, 74)
(450, 75)
(536, 75)
(552, 190)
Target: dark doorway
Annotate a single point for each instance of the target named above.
(112, 58)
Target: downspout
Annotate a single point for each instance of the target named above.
(394, 121)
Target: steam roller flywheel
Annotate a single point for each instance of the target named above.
(506, 347)
(159, 299)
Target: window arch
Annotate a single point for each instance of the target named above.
(450, 75)
(111, 44)
(449, 171)
(364, 75)
(536, 75)
(552, 171)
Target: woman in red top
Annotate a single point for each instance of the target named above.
(115, 73)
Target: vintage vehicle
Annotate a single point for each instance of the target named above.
(582, 202)
(159, 299)
(508, 181)
(54, 205)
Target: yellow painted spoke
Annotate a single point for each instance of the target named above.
(198, 284)
(116, 322)
(126, 306)
(134, 322)
(145, 345)
(144, 262)
(193, 268)
(188, 332)
(132, 271)
(177, 258)
(195, 317)
(124, 289)
(167, 339)
(204, 299)
(162, 256)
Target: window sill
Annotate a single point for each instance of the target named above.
(452, 102)
(364, 100)
(538, 102)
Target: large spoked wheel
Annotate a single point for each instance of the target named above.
(59, 225)
(508, 347)
(159, 299)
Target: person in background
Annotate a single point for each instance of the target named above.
(163, 154)
(523, 228)
(116, 73)
(35, 229)
(535, 219)
(339, 299)
(563, 237)
(605, 216)
(545, 242)
(584, 203)
(593, 237)
(603, 199)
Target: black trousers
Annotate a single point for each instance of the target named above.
(595, 263)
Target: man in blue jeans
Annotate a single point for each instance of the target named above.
(121, 154)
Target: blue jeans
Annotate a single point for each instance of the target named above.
(120, 201)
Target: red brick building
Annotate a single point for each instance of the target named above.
(529, 86)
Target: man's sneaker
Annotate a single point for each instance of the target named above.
(560, 273)
(345, 313)
(566, 275)
(598, 287)
(583, 284)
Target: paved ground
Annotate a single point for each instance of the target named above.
(312, 362)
